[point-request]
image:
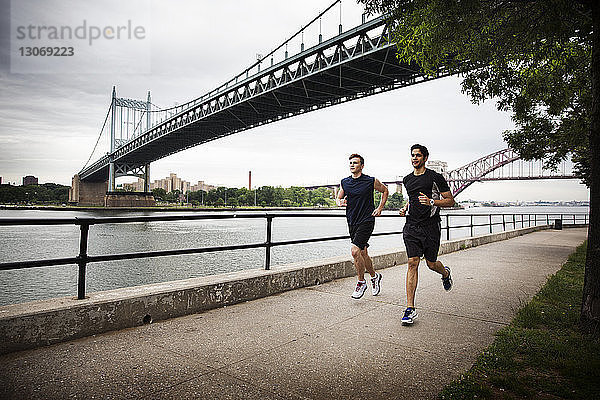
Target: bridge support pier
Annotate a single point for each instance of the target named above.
(96, 194)
(87, 193)
(147, 178)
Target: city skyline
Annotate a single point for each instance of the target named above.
(50, 122)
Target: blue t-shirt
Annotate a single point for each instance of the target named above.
(359, 197)
(432, 184)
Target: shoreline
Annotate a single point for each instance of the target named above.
(220, 209)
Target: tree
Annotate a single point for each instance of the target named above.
(321, 197)
(245, 197)
(297, 195)
(214, 195)
(196, 198)
(159, 194)
(266, 196)
(173, 196)
(541, 61)
(395, 201)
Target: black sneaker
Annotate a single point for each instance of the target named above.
(410, 314)
(447, 282)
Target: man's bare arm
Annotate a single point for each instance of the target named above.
(340, 200)
(380, 187)
(447, 200)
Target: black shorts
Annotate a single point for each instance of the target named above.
(422, 240)
(360, 234)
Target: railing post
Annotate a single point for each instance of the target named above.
(447, 227)
(471, 225)
(514, 223)
(268, 243)
(503, 223)
(490, 223)
(83, 244)
(547, 219)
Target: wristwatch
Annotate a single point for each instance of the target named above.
(431, 202)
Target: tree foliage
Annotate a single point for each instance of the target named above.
(532, 57)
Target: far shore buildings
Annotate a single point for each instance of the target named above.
(169, 184)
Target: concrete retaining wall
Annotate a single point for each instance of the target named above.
(39, 323)
(129, 199)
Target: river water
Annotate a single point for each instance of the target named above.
(20, 243)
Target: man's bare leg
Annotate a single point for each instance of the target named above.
(412, 279)
(438, 267)
(359, 262)
(368, 263)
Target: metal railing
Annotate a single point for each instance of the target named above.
(84, 223)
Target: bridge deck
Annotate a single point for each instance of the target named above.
(310, 343)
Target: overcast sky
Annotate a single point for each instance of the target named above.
(49, 121)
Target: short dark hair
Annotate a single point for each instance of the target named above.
(362, 160)
(423, 149)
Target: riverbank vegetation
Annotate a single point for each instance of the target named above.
(265, 196)
(542, 353)
(47, 193)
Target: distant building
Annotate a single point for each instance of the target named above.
(202, 186)
(171, 183)
(440, 167)
(185, 186)
(30, 180)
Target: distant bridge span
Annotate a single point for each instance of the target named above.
(479, 170)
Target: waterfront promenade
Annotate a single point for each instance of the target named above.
(314, 343)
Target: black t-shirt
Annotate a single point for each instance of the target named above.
(360, 202)
(431, 184)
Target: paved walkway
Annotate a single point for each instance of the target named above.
(314, 343)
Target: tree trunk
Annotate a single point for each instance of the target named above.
(590, 308)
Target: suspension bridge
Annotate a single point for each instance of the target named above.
(351, 65)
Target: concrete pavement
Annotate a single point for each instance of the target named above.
(314, 343)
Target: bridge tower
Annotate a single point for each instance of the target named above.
(126, 123)
(148, 124)
(111, 163)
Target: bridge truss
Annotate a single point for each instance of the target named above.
(352, 65)
(502, 165)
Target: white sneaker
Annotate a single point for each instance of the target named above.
(359, 290)
(375, 284)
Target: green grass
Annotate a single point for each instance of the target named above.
(541, 354)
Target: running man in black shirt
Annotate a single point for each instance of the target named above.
(356, 194)
(427, 192)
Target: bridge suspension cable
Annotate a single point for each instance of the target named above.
(99, 136)
(244, 74)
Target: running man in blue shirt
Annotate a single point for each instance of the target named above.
(427, 192)
(356, 194)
